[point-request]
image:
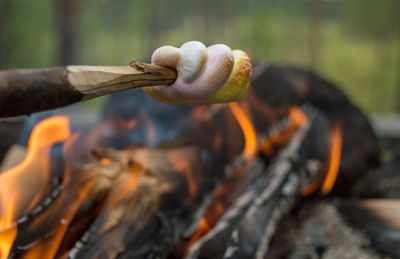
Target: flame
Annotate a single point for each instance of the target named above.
(48, 247)
(202, 230)
(31, 176)
(312, 187)
(106, 161)
(333, 166)
(8, 235)
(334, 159)
(280, 138)
(250, 148)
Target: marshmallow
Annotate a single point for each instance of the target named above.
(194, 55)
(166, 56)
(204, 75)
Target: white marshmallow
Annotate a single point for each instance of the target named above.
(166, 56)
(194, 55)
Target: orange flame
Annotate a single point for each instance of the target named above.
(48, 247)
(333, 166)
(296, 119)
(201, 231)
(249, 132)
(334, 159)
(31, 176)
(8, 235)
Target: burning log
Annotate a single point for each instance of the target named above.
(175, 183)
(293, 86)
(162, 214)
(246, 228)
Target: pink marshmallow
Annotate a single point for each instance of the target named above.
(214, 74)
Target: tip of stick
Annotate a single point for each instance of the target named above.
(152, 69)
(142, 67)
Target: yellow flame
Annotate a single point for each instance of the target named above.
(23, 186)
(250, 148)
(7, 232)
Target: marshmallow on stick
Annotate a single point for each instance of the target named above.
(205, 75)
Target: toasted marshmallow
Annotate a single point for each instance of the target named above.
(204, 75)
(235, 88)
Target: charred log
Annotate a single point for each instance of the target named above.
(246, 228)
(293, 86)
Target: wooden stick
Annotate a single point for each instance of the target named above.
(24, 91)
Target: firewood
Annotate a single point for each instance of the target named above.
(175, 182)
(247, 227)
(288, 85)
(150, 218)
(24, 91)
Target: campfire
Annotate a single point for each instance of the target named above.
(156, 181)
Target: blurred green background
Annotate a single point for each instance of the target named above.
(354, 43)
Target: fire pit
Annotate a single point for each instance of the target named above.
(219, 181)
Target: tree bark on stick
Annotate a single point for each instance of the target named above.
(25, 91)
